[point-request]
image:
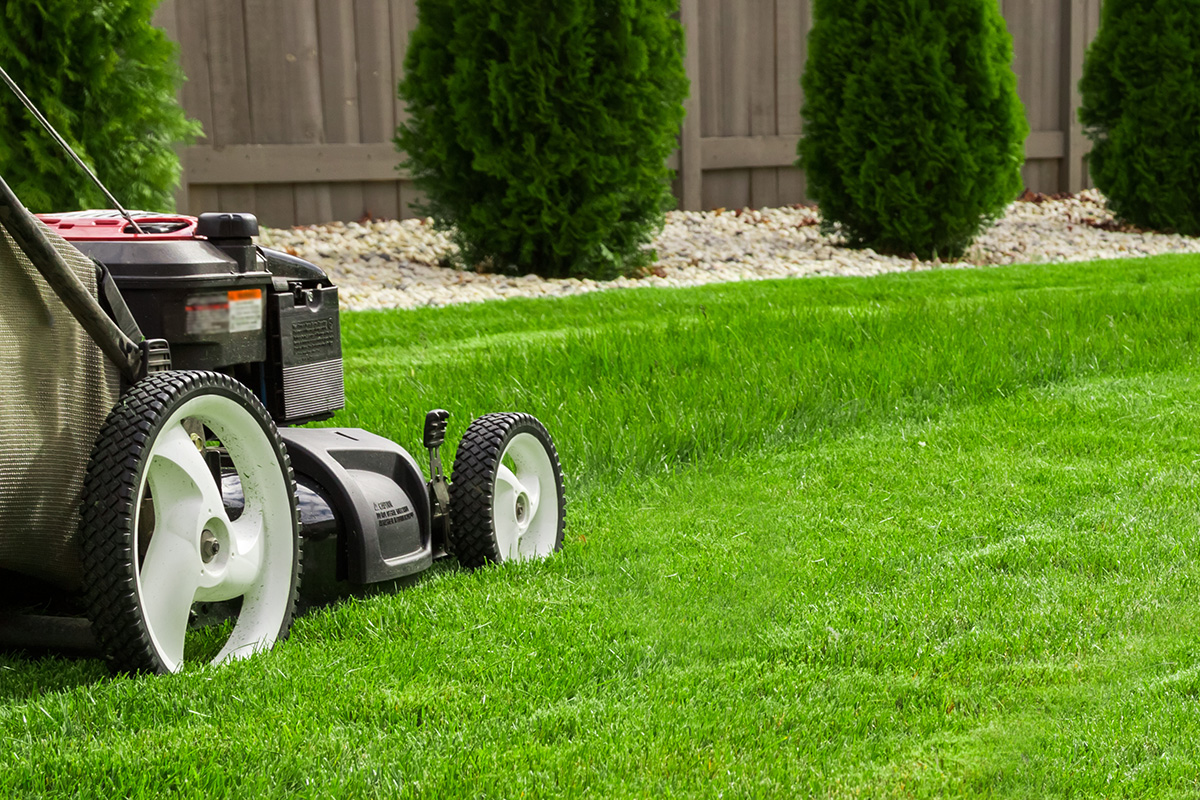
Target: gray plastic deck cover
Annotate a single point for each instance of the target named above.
(56, 389)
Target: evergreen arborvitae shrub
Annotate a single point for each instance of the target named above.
(1141, 109)
(106, 80)
(913, 132)
(539, 129)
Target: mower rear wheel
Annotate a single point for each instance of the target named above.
(506, 492)
(159, 546)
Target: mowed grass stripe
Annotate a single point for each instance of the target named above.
(635, 382)
(804, 641)
(971, 576)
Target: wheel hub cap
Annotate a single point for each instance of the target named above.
(209, 546)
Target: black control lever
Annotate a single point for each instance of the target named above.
(435, 428)
(439, 490)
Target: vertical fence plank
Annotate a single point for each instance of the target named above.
(1014, 18)
(793, 20)
(1033, 92)
(1051, 96)
(227, 67)
(377, 116)
(306, 120)
(404, 20)
(735, 105)
(727, 79)
(339, 91)
(1091, 28)
(712, 87)
(1047, 39)
(1071, 176)
(1093, 19)
(1026, 21)
(285, 94)
(691, 172)
(267, 72)
(167, 19)
(762, 73)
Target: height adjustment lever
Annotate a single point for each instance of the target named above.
(439, 490)
(435, 428)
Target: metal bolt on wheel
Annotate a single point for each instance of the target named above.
(506, 492)
(157, 538)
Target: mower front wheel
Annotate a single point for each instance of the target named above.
(506, 492)
(160, 548)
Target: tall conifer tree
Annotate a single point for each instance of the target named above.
(913, 132)
(106, 79)
(1141, 109)
(539, 129)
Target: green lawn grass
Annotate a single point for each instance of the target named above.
(916, 535)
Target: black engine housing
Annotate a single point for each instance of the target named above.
(267, 318)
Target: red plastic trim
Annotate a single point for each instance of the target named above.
(110, 226)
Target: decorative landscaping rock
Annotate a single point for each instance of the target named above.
(402, 264)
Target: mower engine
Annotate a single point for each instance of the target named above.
(201, 495)
(264, 317)
(270, 320)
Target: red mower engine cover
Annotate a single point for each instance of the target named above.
(224, 304)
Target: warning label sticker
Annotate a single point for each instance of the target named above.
(208, 314)
(228, 312)
(245, 310)
(386, 514)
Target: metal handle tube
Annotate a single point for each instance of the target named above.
(23, 227)
(70, 151)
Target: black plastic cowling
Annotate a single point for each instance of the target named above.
(220, 227)
(435, 428)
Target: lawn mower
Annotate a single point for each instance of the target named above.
(157, 489)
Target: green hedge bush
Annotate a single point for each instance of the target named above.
(1141, 109)
(539, 129)
(106, 79)
(913, 133)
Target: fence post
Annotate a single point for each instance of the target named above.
(1075, 144)
(691, 173)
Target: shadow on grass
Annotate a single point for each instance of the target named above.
(30, 672)
(27, 674)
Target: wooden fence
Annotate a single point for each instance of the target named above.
(298, 102)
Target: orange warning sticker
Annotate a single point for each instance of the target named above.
(234, 311)
(245, 310)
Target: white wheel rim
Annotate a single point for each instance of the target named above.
(525, 501)
(256, 551)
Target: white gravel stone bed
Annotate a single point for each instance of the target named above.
(393, 264)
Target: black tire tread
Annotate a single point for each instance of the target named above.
(473, 480)
(106, 535)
